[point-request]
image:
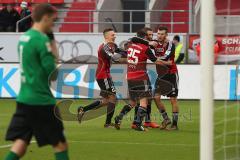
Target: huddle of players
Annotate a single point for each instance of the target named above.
(136, 53)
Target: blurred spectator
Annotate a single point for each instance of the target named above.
(8, 19)
(27, 23)
(179, 52)
(216, 51)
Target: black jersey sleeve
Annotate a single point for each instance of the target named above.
(151, 55)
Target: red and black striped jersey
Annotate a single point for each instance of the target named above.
(166, 51)
(104, 63)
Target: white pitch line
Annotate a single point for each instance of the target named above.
(10, 145)
(5, 146)
(134, 143)
(111, 142)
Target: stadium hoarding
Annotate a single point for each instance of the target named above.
(70, 45)
(80, 81)
(227, 48)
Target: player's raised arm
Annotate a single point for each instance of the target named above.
(150, 55)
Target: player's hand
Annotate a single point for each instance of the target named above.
(154, 44)
(169, 62)
(54, 50)
(51, 36)
(110, 47)
(162, 62)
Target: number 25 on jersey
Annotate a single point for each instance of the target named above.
(132, 57)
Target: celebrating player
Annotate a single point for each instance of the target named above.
(138, 80)
(167, 82)
(35, 103)
(106, 54)
(148, 122)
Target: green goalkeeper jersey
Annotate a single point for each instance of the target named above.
(36, 65)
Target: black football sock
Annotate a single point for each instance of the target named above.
(127, 108)
(140, 115)
(110, 112)
(164, 114)
(92, 106)
(175, 118)
(135, 113)
(148, 115)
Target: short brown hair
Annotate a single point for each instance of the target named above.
(41, 10)
(147, 29)
(141, 33)
(107, 30)
(163, 28)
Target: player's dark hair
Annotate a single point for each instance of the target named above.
(163, 28)
(141, 33)
(147, 29)
(107, 30)
(177, 38)
(41, 10)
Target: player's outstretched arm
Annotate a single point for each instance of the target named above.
(114, 53)
(162, 62)
(122, 60)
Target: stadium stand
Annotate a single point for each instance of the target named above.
(71, 19)
(32, 1)
(177, 17)
(84, 16)
(225, 8)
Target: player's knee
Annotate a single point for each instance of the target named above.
(173, 101)
(157, 98)
(104, 101)
(19, 147)
(60, 147)
(112, 99)
(144, 102)
(133, 103)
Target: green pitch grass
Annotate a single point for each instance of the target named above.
(90, 141)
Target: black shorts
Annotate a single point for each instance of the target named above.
(38, 121)
(107, 87)
(167, 85)
(139, 89)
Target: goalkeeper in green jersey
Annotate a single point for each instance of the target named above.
(36, 112)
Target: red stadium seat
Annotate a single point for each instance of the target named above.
(39, 1)
(56, 1)
(20, 1)
(177, 16)
(7, 1)
(18, 8)
(223, 8)
(75, 28)
(73, 16)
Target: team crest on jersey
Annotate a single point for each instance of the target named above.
(159, 49)
(24, 38)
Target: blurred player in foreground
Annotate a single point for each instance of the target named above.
(138, 81)
(106, 54)
(167, 82)
(35, 114)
